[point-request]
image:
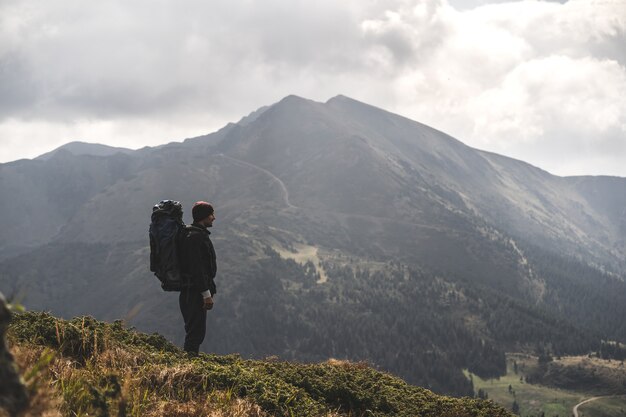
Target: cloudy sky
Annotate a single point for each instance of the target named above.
(542, 81)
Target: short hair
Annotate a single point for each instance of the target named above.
(201, 210)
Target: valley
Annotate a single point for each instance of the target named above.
(545, 399)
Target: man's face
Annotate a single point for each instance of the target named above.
(208, 222)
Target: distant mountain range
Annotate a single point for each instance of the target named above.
(342, 231)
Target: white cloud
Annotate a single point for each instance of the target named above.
(557, 98)
(538, 81)
(532, 79)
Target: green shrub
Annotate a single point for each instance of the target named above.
(162, 372)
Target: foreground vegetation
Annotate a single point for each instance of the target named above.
(86, 367)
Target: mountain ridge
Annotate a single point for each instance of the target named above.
(85, 148)
(110, 362)
(467, 253)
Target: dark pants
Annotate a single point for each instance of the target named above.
(192, 306)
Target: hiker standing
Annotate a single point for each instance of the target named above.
(198, 268)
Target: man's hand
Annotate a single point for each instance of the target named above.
(208, 303)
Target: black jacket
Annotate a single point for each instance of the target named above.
(198, 264)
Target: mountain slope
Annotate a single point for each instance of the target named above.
(41, 197)
(105, 369)
(414, 251)
(82, 148)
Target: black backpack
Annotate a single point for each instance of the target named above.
(166, 231)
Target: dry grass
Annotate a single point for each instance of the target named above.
(591, 362)
(47, 377)
(232, 408)
(44, 399)
(348, 364)
(84, 367)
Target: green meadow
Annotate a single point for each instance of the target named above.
(614, 406)
(535, 400)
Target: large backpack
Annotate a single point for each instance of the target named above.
(166, 230)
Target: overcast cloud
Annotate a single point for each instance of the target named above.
(542, 81)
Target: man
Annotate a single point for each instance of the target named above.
(198, 267)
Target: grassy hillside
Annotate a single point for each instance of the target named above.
(553, 388)
(582, 373)
(86, 367)
(613, 406)
(532, 400)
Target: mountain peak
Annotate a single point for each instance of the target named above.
(344, 102)
(339, 98)
(293, 97)
(85, 148)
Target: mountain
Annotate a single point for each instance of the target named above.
(83, 148)
(342, 231)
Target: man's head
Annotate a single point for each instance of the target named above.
(203, 213)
